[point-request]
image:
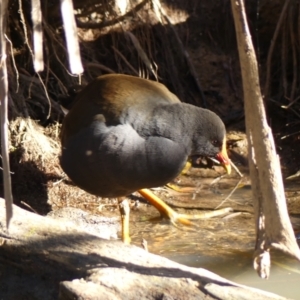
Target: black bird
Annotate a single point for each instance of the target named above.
(126, 134)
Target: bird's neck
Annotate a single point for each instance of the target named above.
(169, 121)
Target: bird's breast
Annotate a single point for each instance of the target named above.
(116, 161)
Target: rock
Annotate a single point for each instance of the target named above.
(45, 258)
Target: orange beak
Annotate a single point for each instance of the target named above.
(223, 158)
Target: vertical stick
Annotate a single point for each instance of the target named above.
(3, 113)
(273, 226)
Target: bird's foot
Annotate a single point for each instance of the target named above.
(178, 189)
(205, 215)
(175, 217)
(186, 219)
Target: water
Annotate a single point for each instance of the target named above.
(223, 245)
(284, 279)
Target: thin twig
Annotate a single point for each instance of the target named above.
(217, 179)
(290, 104)
(14, 62)
(22, 17)
(236, 169)
(294, 112)
(289, 135)
(28, 206)
(60, 83)
(126, 61)
(142, 53)
(230, 194)
(48, 30)
(144, 245)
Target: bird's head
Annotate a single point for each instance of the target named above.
(209, 139)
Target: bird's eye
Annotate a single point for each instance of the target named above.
(215, 143)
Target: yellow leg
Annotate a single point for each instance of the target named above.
(186, 168)
(176, 188)
(163, 208)
(174, 217)
(125, 211)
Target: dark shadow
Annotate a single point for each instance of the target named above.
(29, 184)
(47, 273)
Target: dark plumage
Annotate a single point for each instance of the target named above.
(125, 133)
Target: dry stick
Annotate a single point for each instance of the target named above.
(144, 245)
(149, 38)
(49, 31)
(270, 53)
(230, 194)
(28, 206)
(67, 11)
(14, 62)
(47, 61)
(295, 63)
(291, 104)
(235, 187)
(32, 55)
(295, 112)
(142, 53)
(126, 61)
(152, 67)
(236, 169)
(273, 226)
(52, 36)
(36, 16)
(3, 113)
(60, 83)
(148, 45)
